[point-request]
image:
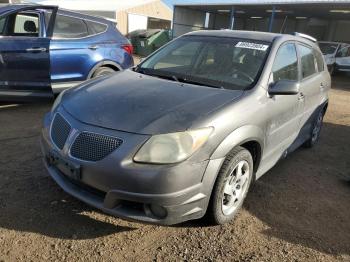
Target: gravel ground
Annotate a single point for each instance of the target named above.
(299, 211)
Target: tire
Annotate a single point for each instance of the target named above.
(103, 71)
(332, 70)
(227, 198)
(315, 130)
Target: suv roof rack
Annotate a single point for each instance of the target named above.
(309, 37)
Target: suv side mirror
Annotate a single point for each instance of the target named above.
(284, 87)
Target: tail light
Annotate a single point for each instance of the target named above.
(128, 48)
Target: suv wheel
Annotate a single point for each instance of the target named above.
(332, 70)
(103, 71)
(231, 186)
(315, 131)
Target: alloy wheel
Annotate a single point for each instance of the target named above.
(235, 188)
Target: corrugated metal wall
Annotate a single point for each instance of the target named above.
(187, 19)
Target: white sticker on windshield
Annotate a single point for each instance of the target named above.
(254, 46)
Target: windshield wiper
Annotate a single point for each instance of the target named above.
(190, 81)
(164, 76)
(175, 78)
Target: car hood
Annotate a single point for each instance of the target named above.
(131, 102)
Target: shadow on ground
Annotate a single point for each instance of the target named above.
(341, 81)
(304, 199)
(30, 201)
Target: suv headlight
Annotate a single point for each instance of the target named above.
(172, 148)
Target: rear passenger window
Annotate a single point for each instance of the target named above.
(69, 27)
(319, 60)
(308, 66)
(285, 66)
(95, 28)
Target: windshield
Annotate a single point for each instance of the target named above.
(328, 48)
(218, 62)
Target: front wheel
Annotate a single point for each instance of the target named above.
(231, 186)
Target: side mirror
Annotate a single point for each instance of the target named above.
(284, 87)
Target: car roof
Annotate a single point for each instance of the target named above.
(252, 35)
(14, 7)
(331, 42)
(83, 16)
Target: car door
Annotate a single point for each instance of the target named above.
(342, 59)
(24, 53)
(283, 111)
(310, 85)
(73, 52)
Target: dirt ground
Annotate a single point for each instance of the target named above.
(298, 211)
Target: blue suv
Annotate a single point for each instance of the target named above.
(44, 50)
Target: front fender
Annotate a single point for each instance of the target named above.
(238, 137)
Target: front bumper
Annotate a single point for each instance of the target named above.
(121, 187)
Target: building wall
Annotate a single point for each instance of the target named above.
(187, 19)
(156, 9)
(105, 14)
(341, 31)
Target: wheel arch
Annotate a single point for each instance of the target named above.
(325, 107)
(249, 137)
(106, 63)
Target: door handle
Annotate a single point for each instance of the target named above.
(36, 50)
(93, 47)
(301, 97)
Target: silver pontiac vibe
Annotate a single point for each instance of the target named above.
(187, 131)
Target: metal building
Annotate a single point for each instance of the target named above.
(325, 20)
(129, 15)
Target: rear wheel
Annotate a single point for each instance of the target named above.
(103, 71)
(332, 70)
(315, 130)
(231, 186)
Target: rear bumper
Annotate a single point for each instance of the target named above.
(343, 68)
(133, 191)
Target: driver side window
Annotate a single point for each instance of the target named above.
(344, 52)
(285, 66)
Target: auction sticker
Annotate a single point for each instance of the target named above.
(254, 46)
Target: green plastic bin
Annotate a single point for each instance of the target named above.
(147, 41)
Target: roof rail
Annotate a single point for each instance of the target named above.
(309, 37)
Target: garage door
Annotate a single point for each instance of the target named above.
(136, 22)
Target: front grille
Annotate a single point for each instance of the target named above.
(94, 147)
(60, 130)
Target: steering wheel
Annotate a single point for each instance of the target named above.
(245, 75)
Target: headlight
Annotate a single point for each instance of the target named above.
(57, 101)
(173, 147)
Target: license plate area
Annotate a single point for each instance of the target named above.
(67, 168)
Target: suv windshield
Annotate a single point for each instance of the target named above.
(328, 48)
(210, 61)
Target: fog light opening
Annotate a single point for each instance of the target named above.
(158, 211)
